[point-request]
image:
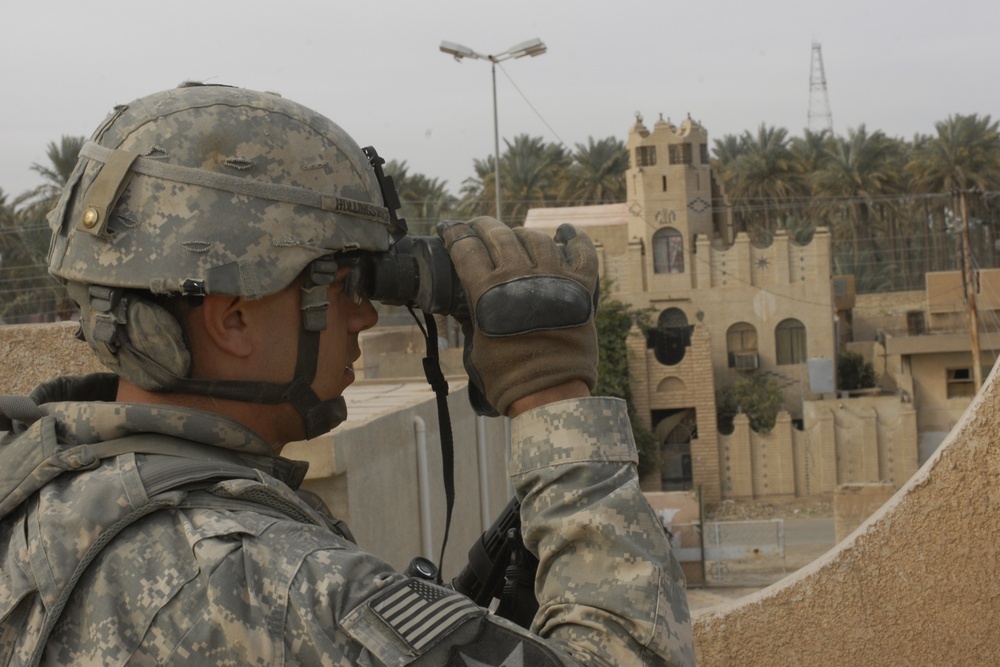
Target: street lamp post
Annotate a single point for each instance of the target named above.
(533, 47)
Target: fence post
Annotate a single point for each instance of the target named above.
(701, 534)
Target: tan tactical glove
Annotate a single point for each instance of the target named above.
(532, 302)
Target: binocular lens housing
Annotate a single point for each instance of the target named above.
(416, 270)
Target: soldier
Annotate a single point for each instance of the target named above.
(211, 237)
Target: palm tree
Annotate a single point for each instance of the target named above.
(858, 169)
(424, 201)
(965, 155)
(963, 159)
(477, 194)
(764, 174)
(27, 290)
(811, 150)
(62, 158)
(530, 173)
(597, 175)
(725, 151)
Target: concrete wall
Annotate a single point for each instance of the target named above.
(884, 312)
(858, 440)
(938, 412)
(33, 353)
(854, 503)
(367, 472)
(398, 352)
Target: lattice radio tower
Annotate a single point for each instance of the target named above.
(820, 117)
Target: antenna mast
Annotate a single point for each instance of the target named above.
(820, 117)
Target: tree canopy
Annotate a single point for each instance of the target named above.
(890, 203)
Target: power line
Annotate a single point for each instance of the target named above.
(532, 107)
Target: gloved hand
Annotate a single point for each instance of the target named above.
(532, 304)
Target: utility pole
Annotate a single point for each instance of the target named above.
(820, 117)
(970, 294)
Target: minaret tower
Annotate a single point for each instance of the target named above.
(672, 196)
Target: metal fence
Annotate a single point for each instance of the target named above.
(732, 550)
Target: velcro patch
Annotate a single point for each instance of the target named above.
(420, 612)
(499, 646)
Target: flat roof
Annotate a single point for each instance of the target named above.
(581, 216)
(367, 399)
(934, 343)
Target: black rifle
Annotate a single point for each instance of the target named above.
(500, 568)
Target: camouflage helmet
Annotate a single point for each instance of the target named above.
(200, 190)
(214, 189)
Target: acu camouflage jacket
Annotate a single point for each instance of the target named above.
(116, 565)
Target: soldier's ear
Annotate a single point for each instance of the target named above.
(224, 322)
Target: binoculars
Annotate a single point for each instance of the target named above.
(416, 270)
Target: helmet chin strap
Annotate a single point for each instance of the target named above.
(318, 416)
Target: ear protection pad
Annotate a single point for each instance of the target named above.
(156, 335)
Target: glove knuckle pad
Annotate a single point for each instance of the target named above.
(533, 304)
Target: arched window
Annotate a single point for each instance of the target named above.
(668, 251)
(671, 337)
(741, 344)
(790, 342)
(672, 318)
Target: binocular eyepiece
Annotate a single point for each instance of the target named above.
(417, 270)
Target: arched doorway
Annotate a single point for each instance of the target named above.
(675, 429)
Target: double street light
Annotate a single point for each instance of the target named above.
(533, 47)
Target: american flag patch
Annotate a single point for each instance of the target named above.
(420, 612)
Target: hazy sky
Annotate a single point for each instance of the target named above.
(375, 68)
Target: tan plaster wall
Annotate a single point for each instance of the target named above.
(854, 503)
(937, 412)
(884, 312)
(33, 353)
(684, 385)
(866, 439)
(916, 584)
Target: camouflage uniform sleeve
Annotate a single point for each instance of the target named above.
(609, 587)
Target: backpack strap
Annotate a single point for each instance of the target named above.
(174, 467)
(175, 463)
(52, 615)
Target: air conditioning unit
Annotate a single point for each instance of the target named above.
(746, 361)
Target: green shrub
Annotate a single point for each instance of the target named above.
(614, 320)
(853, 372)
(755, 395)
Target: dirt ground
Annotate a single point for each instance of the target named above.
(793, 508)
